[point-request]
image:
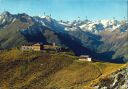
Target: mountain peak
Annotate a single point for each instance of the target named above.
(47, 17)
(6, 13)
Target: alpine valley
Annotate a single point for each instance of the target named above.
(105, 40)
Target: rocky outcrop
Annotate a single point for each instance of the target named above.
(117, 80)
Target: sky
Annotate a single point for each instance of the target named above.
(68, 9)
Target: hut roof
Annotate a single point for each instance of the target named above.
(38, 44)
(84, 56)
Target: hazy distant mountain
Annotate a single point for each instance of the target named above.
(106, 37)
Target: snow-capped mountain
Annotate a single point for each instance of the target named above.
(85, 25)
(101, 25)
(91, 26)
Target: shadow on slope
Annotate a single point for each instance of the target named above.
(107, 57)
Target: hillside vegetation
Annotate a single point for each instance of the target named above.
(43, 70)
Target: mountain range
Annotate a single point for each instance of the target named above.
(105, 40)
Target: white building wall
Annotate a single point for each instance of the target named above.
(89, 59)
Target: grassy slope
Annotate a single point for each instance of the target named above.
(34, 70)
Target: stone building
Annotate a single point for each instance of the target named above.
(39, 47)
(35, 47)
(27, 47)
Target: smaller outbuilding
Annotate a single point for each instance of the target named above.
(85, 58)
